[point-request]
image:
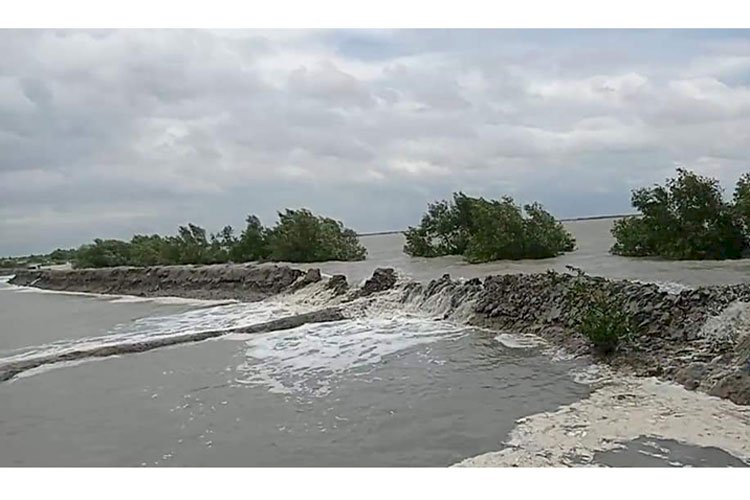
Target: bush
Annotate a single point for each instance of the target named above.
(103, 253)
(251, 244)
(605, 324)
(301, 236)
(149, 251)
(686, 219)
(485, 230)
(741, 202)
(598, 316)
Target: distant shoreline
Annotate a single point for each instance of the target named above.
(598, 217)
(572, 219)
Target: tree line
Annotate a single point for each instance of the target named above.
(686, 218)
(298, 236)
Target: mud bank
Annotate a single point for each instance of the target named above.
(698, 338)
(215, 282)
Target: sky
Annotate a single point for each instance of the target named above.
(109, 133)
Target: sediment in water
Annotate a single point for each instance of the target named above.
(11, 369)
(699, 338)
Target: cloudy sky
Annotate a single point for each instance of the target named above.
(110, 133)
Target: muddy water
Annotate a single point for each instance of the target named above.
(372, 391)
(592, 254)
(389, 388)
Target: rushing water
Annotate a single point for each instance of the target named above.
(393, 386)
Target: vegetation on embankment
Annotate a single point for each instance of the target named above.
(604, 321)
(687, 219)
(697, 338)
(484, 230)
(298, 236)
(57, 257)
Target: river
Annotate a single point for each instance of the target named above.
(390, 387)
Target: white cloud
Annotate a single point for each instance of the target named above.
(211, 125)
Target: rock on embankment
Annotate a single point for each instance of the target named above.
(699, 338)
(222, 281)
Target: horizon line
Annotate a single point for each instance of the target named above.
(571, 219)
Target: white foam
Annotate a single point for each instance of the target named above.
(132, 299)
(518, 341)
(123, 299)
(671, 287)
(312, 296)
(623, 409)
(31, 289)
(196, 320)
(307, 360)
(730, 326)
(590, 374)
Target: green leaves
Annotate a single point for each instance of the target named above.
(485, 230)
(299, 236)
(251, 245)
(686, 219)
(104, 253)
(598, 315)
(605, 324)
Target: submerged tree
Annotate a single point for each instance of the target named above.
(687, 218)
(485, 230)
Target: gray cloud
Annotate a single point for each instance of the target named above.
(106, 133)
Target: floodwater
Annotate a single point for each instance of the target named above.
(592, 255)
(391, 387)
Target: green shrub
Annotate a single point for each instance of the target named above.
(599, 316)
(605, 324)
(486, 230)
(741, 202)
(148, 251)
(251, 245)
(301, 236)
(103, 253)
(686, 219)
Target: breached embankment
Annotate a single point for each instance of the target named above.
(11, 369)
(698, 338)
